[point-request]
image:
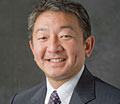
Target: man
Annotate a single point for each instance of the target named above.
(61, 40)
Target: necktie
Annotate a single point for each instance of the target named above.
(54, 98)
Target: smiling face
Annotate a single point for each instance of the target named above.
(58, 46)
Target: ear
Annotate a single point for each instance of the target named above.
(31, 46)
(89, 44)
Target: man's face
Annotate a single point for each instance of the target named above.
(58, 46)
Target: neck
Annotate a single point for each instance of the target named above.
(57, 83)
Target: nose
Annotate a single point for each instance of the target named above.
(54, 45)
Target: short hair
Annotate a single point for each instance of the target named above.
(64, 6)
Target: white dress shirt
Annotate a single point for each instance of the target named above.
(65, 91)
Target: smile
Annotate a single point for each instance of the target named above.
(56, 60)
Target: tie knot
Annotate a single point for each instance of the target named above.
(54, 98)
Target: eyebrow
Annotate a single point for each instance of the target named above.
(61, 28)
(66, 27)
(41, 29)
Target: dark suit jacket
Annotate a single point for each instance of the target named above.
(89, 90)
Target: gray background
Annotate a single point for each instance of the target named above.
(18, 71)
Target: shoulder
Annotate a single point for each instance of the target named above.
(101, 91)
(101, 85)
(27, 95)
(106, 91)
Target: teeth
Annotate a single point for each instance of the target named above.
(56, 60)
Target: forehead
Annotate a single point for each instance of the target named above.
(56, 17)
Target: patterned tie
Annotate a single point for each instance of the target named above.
(54, 98)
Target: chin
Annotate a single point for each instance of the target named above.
(58, 77)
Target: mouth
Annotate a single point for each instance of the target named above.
(56, 60)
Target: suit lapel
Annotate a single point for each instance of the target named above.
(85, 90)
(39, 97)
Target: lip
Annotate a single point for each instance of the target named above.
(51, 58)
(56, 63)
(56, 59)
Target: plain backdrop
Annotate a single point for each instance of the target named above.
(18, 71)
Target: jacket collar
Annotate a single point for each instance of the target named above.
(85, 90)
(39, 97)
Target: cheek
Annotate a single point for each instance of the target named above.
(77, 52)
(80, 55)
(72, 51)
(39, 52)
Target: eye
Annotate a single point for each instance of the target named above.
(66, 37)
(42, 38)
